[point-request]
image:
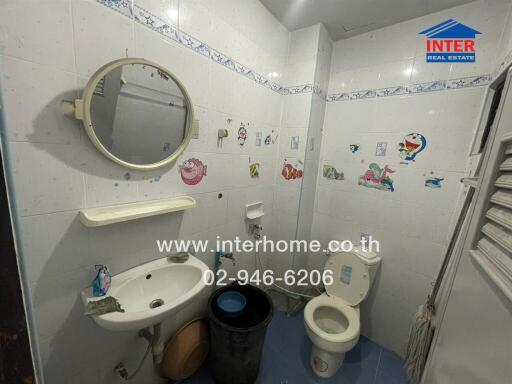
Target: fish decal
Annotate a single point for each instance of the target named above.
(331, 173)
(411, 146)
(290, 172)
(376, 177)
(433, 182)
(192, 171)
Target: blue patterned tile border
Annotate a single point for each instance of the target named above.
(149, 20)
(465, 82)
(194, 44)
(124, 7)
(146, 18)
(300, 89)
(392, 91)
(431, 86)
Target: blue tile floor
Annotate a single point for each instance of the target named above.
(286, 359)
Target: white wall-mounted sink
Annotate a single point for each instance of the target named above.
(150, 292)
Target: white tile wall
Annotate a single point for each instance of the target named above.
(28, 88)
(56, 171)
(53, 47)
(100, 36)
(309, 60)
(413, 222)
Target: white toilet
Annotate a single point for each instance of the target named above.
(332, 319)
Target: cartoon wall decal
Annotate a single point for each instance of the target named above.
(411, 146)
(294, 144)
(254, 170)
(376, 177)
(259, 136)
(192, 171)
(433, 182)
(331, 173)
(276, 136)
(162, 75)
(242, 134)
(380, 149)
(354, 148)
(292, 172)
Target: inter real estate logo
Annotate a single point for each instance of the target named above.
(450, 42)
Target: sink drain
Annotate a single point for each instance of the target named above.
(156, 303)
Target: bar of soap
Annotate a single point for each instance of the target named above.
(100, 307)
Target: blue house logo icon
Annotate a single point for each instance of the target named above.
(450, 42)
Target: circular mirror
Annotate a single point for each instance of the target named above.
(137, 114)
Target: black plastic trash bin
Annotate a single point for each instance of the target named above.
(236, 343)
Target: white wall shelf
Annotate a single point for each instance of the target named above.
(96, 217)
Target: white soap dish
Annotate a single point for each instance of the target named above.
(254, 210)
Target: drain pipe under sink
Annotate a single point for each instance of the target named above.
(155, 341)
(155, 345)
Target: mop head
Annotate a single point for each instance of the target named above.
(420, 337)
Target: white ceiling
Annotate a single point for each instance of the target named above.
(346, 18)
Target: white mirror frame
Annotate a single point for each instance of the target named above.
(82, 111)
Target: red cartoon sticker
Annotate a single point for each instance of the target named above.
(290, 172)
(192, 171)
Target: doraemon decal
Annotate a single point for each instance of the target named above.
(376, 177)
(192, 171)
(242, 135)
(411, 146)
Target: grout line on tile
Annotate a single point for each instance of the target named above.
(377, 368)
(73, 37)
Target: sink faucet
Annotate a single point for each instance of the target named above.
(256, 229)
